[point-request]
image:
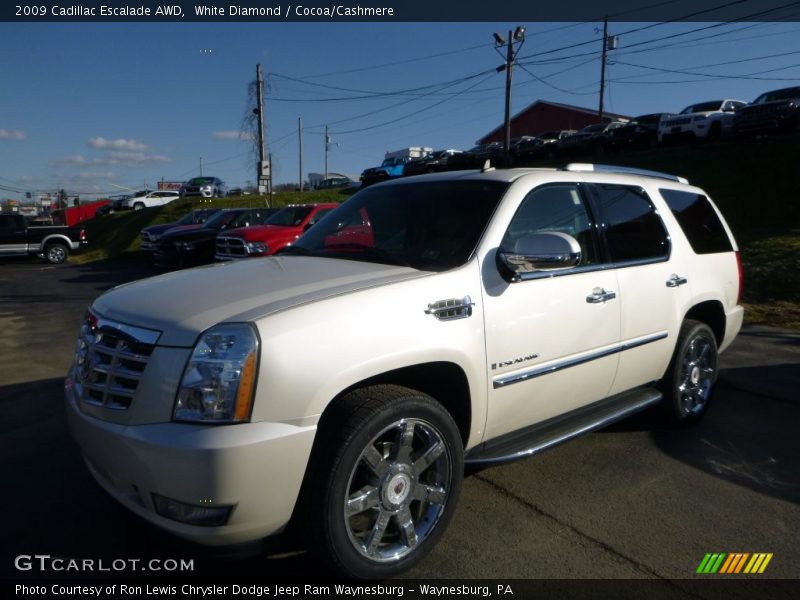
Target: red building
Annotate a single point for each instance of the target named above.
(544, 116)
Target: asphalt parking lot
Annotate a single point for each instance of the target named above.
(634, 501)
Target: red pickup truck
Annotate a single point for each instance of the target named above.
(280, 230)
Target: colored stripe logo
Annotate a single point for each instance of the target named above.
(734, 563)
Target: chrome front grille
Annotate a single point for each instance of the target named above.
(678, 121)
(231, 247)
(110, 359)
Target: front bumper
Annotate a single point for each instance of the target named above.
(255, 467)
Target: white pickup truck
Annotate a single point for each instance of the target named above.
(457, 318)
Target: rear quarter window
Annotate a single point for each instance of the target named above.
(633, 230)
(699, 221)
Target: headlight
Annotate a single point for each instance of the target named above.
(257, 247)
(219, 380)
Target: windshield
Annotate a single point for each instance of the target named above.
(186, 219)
(702, 107)
(221, 219)
(200, 181)
(593, 128)
(431, 226)
(250, 217)
(291, 216)
(786, 94)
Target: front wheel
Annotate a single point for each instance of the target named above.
(138, 206)
(690, 379)
(388, 473)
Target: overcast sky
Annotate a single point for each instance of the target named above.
(91, 107)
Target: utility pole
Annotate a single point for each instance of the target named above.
(269, 178)
(517, 35)
(300, 137)
(507, 121)
(603, 69)
(201, 166)
(264, 169)
(327, 146)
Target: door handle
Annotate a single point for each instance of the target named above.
(599, 296)
(676, 280)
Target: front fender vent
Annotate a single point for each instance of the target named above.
(451, 309)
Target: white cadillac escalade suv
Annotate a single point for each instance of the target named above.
(426, 324)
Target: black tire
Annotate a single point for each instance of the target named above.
(689, 383)
(395, 456)
(56, 253)
(138, 206)
(715, 131)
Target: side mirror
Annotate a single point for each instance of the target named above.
(540, 252)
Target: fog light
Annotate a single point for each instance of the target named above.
(206, 516)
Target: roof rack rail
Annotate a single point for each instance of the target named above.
(623, 170)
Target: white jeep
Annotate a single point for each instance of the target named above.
(470, 317)
(707, 120)
(150, 199)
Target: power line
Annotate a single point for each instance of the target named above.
(398, 62)
(413, 113)
(754, 76)
(369, 94)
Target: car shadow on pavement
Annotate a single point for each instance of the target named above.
(111, 272)
(746, 438)
(788, 338)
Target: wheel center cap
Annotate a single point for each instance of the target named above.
(397, 489)
(695, 376)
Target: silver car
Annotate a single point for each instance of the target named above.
(206, 187)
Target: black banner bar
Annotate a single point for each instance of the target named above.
(398, 10)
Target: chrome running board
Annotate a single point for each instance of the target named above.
(532, 440)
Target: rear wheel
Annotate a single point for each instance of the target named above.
(688, 385)
(138, 206)
(56, 253)
(385, 479)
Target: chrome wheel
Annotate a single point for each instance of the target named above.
(697, 374)
(385, 473)
(56, 254)
(397, 490)
(688, 385)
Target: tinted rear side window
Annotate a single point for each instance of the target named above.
(633, 230)
(699, 221)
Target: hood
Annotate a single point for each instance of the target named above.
(179, 228)
(183, 304)
(188, 233)
(769, 106)
(159, 229)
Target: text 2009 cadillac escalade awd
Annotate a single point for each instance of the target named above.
(488, 315)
